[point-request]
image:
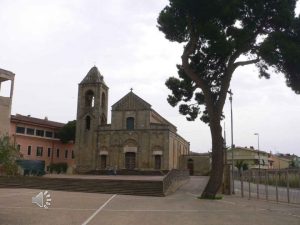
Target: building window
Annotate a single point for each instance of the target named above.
(66, 154)
(20, 130)
(130, 123)
(30, 131)
(19, 147)
(49, 152)
(39, 151)
(39, 133)
(57, 153)
(49, 134)
(103, 100)
(29, 150)
(87, 122)
(89, 99)
(73, 155)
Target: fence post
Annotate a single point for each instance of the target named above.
(242, 184)
(257, 184)
(267, 183)
(249, 177)
(276, 185)
(288, 186)
(299, 178)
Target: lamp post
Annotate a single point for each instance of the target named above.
(257, 134)
(231, 115)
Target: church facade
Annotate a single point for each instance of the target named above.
(138, 138)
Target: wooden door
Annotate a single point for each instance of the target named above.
(157, 162)
(103, 161)
(130, 160)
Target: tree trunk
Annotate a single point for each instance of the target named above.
(216, 177)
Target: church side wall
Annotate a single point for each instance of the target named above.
(177, 148)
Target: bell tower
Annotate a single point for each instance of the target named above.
(92, 109)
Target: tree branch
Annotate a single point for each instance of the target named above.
(188, 50)
(226, 80)
(244, 63)
(228, 75)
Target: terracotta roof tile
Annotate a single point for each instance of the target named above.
(36, 121)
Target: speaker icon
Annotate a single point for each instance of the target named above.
(42, 199)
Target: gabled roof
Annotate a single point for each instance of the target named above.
(93, 76)
(131, 102)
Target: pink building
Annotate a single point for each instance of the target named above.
(37, 140)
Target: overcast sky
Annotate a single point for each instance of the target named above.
(51, 45)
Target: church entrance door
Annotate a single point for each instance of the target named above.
(130, 160)
(103, 161)
(190, 166)
(157, 161)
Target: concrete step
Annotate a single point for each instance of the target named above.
(128, 187)
(129, 172)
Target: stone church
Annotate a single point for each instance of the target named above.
(138, 138)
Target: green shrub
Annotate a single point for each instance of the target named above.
(8, 156)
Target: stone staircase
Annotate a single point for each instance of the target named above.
(129, 172)
(125, 187)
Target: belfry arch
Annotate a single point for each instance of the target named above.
(89, 98)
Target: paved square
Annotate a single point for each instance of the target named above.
(180, 208)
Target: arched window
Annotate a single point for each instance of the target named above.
(87, 122)
(89, 99)
(130, 123)
(103, 99)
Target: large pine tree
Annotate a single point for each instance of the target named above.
(219, 37)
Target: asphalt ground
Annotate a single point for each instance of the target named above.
(180, 208)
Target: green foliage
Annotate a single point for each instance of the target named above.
(58, 167)
(241, 165)
(67, 133)
(292, 164)
(8, 156)
(216, 34)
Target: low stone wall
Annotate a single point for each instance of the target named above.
(175, 179)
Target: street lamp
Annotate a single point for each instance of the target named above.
(257, 134)
(232, 172)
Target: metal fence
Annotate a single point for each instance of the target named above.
(271, 185)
